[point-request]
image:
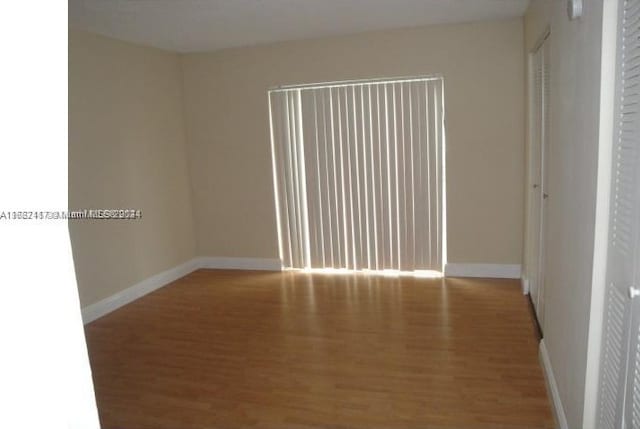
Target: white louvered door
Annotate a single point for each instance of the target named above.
(358, 169)
(544, 184)
(619, 394)
(627, 194)
(538, 182)
(632, 398)
(535, 191)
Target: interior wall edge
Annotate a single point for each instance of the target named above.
(601, 227)
(185, 131)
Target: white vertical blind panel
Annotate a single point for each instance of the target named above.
(622, 315)
(430, 174)
(312, 174)
(341, 213)
(277, 121)
(407, 260)
(332, 184)
(368, 172)
(420, 204)
(425, 175)
(377, 176)
(384, 220)
(401, 220)
(394, 177)
(347, 186)
(323, 178)
(356, 151)
(295, 206)
(437, 118)
(289, 190)
(358, 175)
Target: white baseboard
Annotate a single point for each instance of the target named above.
(240, 263)
(124, 297)
(498, 271)
(525, 285)
(138, 290)
(552, 386)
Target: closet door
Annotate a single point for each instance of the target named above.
(544, 178)
(632, 397)
(620, 355)
(538, 161)
(627, 186)
(535, 168)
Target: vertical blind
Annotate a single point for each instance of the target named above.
(358, 172)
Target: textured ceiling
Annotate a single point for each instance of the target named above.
(207, 25)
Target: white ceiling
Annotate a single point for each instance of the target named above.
(207, 25)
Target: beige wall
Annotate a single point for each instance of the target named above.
(126, 150)
(575, 101)
(228, 130)
(127, 143)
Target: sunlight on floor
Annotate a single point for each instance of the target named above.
(428, 274)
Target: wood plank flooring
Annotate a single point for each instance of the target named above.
(242, 349)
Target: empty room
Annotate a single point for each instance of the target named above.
(326, 214)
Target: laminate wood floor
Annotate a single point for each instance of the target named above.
(243, 349)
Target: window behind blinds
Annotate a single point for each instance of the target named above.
(358, 171)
